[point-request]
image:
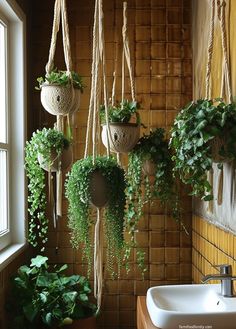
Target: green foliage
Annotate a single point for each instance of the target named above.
(81, 212)
(42, 298)
(194, 128)
(152, 147)
(42, 142)
(120, 113)
(61, 78)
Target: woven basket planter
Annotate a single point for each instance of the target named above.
(123, 138)
(216, 144)
(149, 167)
(59, 100)
(76, 104)
(66, 160)
(98, 189)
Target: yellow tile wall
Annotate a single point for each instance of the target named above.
(211, 245)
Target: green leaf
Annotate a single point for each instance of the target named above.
(38, 261)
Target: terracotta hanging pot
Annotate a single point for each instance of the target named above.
(59, 100)
(123, 138)
(66, 160)
(98, 189)
(149, 167)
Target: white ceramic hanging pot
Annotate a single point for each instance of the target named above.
(58, 100)
(149, 167)
(65, 158)
(123, 137)
(98, 189)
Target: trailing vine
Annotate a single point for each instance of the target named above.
(81, 213)
(42, 143)
(194, 131)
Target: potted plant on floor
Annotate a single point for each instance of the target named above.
(48, 150)
(45, 298)
(60, 91)
(100, 182)
(150, 176)
(204, 131)
(123, 134)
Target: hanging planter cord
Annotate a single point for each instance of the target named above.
(98, 71)
(226, 80)
(126, 58)
(60, 13)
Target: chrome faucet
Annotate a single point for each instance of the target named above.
(226, 278)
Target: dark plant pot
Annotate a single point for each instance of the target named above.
(123, 138)
(98, 189)
(66, 159)
(216, 144)
(59, 100)
(88, 323)
(149, 167)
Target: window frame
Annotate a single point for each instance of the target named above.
(16, 126)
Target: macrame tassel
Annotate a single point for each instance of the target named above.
(59, 192)
(51, 198)
(220, 187)
(210, 178)
(98, 259)
(60, 123)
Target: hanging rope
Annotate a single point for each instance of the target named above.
(127, 53)
(208, 88)
(98, 259)
(226, 67)
(210, 49)
(98, 71)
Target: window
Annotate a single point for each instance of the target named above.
(12, 129)
(4, 146)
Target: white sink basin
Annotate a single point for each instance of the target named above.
(196, 305)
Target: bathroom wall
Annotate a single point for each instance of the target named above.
(214, 232)
(160, 39)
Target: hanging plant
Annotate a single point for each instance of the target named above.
(79, 193)
(124, 134)
(150, 176)
(195, 129)
(38, 153)
(60, 91)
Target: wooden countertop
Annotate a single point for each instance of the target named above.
(143, 318)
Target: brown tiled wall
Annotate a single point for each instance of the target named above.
(159, 32)
(211, 246)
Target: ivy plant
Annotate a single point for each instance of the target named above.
(121, 112)
(143, 188)
(42, 142)
(80, 212)
(43, 297)
(195, 127)
(61, 78)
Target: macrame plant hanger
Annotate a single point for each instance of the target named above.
(60, 14)
(126, 59)
(98, 72)
(226, 80)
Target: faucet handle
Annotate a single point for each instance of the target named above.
(224, 269)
